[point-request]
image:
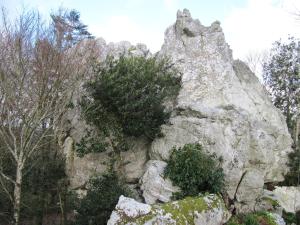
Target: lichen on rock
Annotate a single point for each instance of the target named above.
(208, 209)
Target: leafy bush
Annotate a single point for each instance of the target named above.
(130, 92)
(194, 171)
(289, 218)
(292, 178)
(257, 218)
(102, 196)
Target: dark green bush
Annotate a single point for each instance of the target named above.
(89, 144)
(102, 196)
(289, 218)
(256, 218)
(292, 178)
(194, 171)
(130, 92)
(41, 187)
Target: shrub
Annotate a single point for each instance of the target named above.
(292, 178)
(289, 218)
(256, 218)
(130, 91)
(194, 171)
(102, 196)
(89, 144)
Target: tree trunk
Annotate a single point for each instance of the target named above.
(297, 132)
(17, 195)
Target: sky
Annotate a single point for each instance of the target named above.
(249, 25)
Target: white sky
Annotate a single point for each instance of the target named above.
(255, 27)
(249, 25)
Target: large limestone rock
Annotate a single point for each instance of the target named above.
(154, 186)
(202, 210)
(134, 160)
(80, 169)
(223, 106)
(288, 198)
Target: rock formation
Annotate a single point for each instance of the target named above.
(221, 105)
(208, 210)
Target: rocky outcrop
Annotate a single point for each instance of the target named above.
(223, 106)
(208, 210)
(80, 169)
(154, 186)
(288, 198)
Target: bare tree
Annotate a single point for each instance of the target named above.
(36, 82)
(255, 61)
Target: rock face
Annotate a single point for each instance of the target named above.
(208, 210)
(154, 186)
(288, 198)
(223, 106)
(80, 169)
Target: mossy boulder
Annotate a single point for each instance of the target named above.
(207, 209)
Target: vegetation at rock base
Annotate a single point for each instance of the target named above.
(256, 218)
(102, 196)
(194, 171)
(42, 189)
(289, 218)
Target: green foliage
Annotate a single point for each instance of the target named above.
(282, 78)
(257, 218)
(69, 28)
(289, 218)
(109, 132)
(41, 185)
(293, 176)
(251, 219)
(129, 92)
(90, 144)
(102, 196)
(194, 171)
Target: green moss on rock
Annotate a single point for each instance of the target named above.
(271, 201)
(179, 212)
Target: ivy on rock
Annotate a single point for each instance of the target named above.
(126, 98)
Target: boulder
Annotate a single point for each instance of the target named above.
(268, 202)
(201, 210)
(80, 169)
(134, 160)
(153, 184)
(223, 106)
(288, 198)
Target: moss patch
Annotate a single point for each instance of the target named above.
(181, 212)
(273, 202)
(257, 218)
